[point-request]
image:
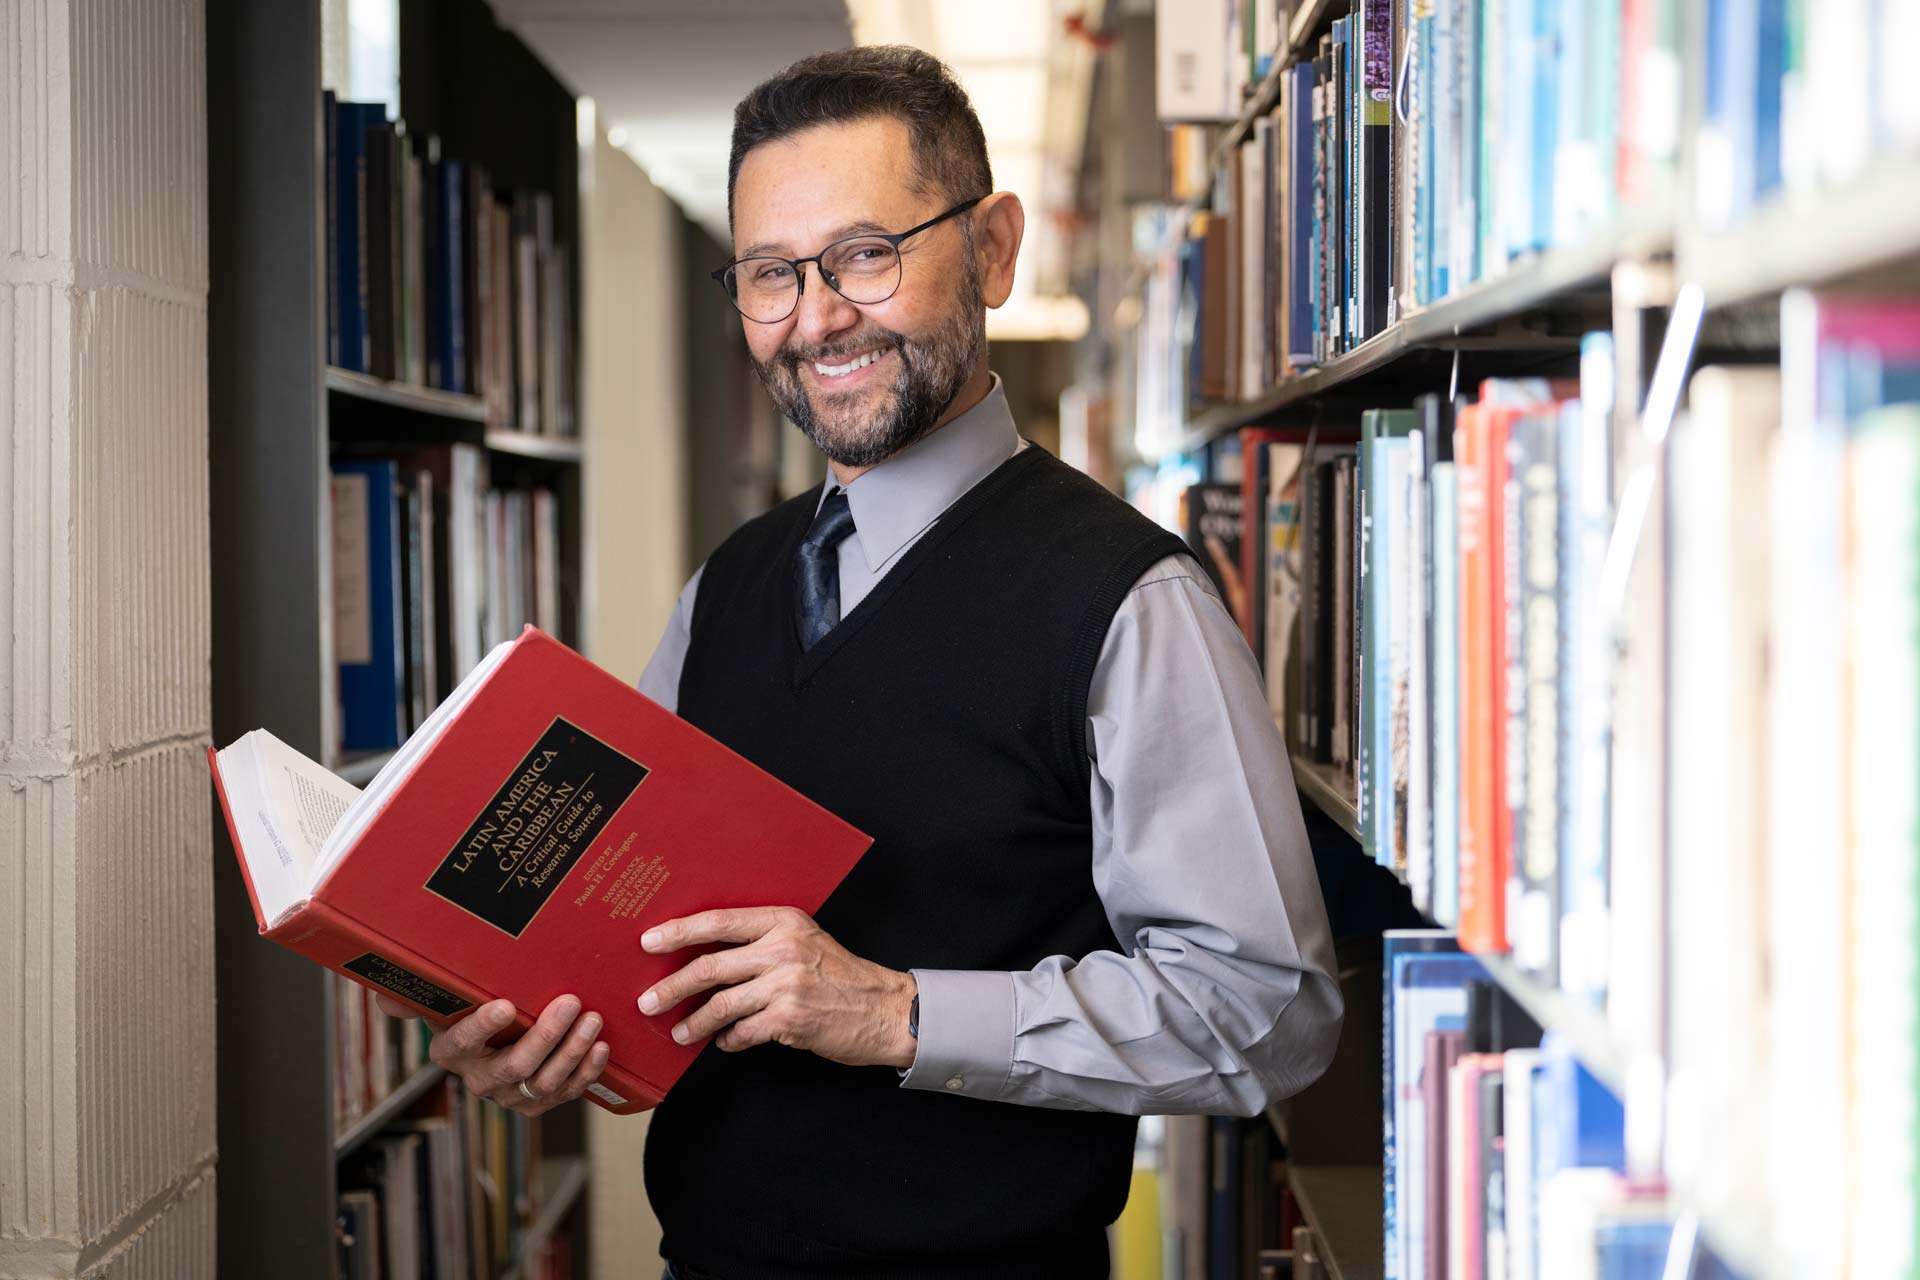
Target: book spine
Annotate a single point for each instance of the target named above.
(336, 940)
(1475, 733)
(1371, 626)
(1376, 146)
(1445, 682)
(1533, 926)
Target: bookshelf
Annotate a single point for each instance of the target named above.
(1691, 203)
(1341, 1203)
(279, 413)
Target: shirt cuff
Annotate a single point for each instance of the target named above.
(966, 1032)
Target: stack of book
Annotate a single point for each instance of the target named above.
(448, 1192)
(1362, 194)
(372, 1054)
(436, 279)
(1504, 1156)
(432, 567)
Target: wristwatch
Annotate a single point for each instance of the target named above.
(913, 1019)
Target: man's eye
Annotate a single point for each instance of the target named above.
(773, 273)
(868, 253)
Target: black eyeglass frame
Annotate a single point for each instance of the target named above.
(800, 277)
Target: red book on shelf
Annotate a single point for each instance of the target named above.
(519, 844)
(1482, 887)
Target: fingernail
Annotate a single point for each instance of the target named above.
(600, 1052)
(570, 1007)
(680, 1034)
(591, 1025)
(649, 1002)
(650, 939)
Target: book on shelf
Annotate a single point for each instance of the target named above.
(1212, 524)
(436, 279)
(543, 815)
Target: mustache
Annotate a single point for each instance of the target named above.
(792, 356)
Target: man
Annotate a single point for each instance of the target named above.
(1090, 895)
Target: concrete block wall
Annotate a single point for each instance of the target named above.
(107, 1138)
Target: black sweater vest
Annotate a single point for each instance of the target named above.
(945, 716)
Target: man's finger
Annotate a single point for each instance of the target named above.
(761, 1028)
(729, 1004)
(586, 1073)
(467, 1038)
(554, 1073)
(728, 924)
(715, 969)
(522, 1058)
(393, 1008)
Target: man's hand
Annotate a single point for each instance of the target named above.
(788, 983)
(558, 1057)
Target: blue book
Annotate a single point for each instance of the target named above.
(1586, 1124)
(368, 640)
(1549, 63)
(351, 122)
(1395, 944)
(1300, 320)
(1427, 991)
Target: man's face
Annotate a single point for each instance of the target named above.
(795, 196)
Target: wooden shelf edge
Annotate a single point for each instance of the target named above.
(384, 1111)
(561, 1180)
(527, 445)
(1323, 785)
(402, 395)
(1343, 1204)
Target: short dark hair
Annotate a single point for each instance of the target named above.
(845, 85)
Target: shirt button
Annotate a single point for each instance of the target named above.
(956, 1083)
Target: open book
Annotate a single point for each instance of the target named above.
(518, 845)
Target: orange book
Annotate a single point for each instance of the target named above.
(518, 845)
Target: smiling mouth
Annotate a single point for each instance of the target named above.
(851, 366)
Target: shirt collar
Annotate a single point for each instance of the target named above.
(903, 495)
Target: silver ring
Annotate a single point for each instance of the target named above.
(527, 1093)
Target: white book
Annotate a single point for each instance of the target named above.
(1517, 1163)
(1716, 698)
(1419, 727)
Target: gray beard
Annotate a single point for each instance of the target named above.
(932, 371)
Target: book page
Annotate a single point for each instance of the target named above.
(305, 799)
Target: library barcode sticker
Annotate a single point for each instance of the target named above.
(605, 1094)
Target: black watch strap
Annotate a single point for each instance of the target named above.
(913, 1019)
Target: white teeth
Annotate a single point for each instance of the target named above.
(841, 370)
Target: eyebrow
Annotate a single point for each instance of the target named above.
(765, 247)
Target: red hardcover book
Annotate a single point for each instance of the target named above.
(519, 844)
(1480, 892)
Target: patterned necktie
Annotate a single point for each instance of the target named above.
(816, 569)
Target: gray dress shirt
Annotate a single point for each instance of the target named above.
(1225, 998)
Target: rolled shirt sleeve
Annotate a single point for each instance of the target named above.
(1225, 997)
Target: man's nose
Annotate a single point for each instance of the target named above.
(821, 314)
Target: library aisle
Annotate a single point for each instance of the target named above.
(1536, 381)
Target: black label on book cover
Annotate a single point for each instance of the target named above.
(406, 984)
(547, 813)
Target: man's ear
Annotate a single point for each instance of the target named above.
(999, 222)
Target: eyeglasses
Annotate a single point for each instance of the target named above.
(864, 269)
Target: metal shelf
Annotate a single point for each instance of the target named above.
(528, 445)
(387, 1110)
(1343, 1206)
(1860, 234)
(1528, 285)
(1327, 788)
(559, 1182)
(360, 769)
(1584, 1026)
(404, 395)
